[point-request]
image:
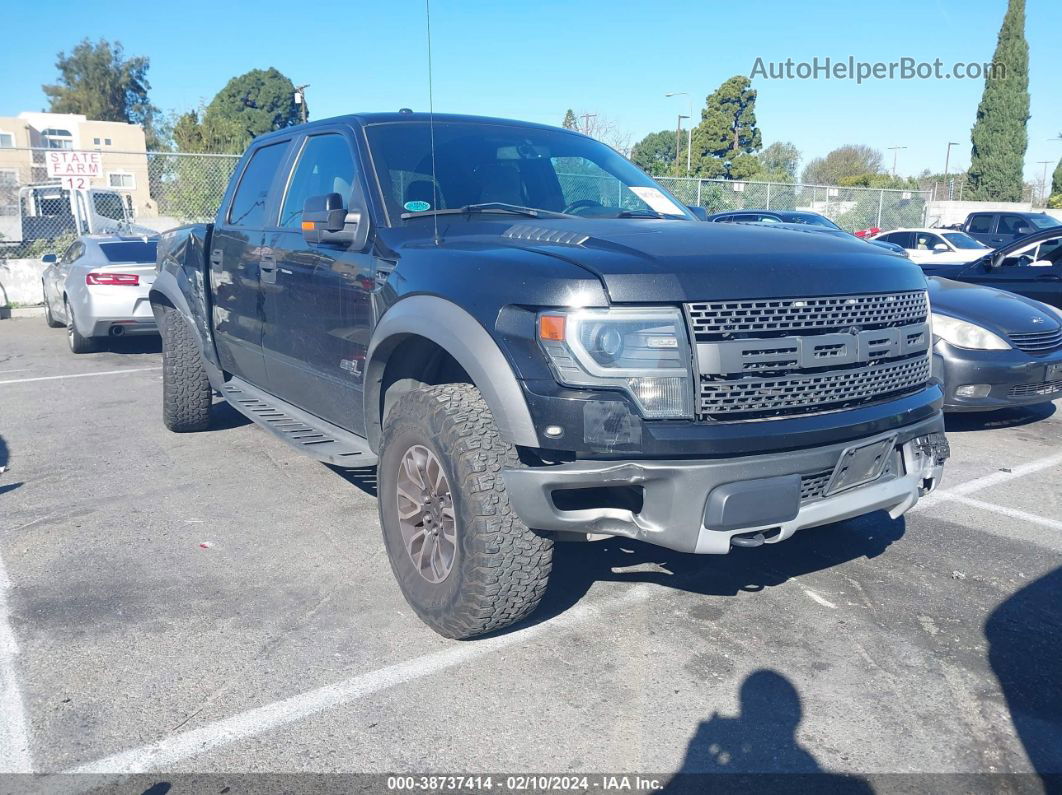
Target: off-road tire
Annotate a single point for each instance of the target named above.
(186, 392)
(78, 343)
(49, 318)
(501, 566)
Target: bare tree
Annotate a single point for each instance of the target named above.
(604, 129)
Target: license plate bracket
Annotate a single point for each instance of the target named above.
(1054, 372)
(860, 464)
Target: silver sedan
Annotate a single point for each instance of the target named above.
(99, 288)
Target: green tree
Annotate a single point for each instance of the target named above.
(725, 140)
(850, 160)
(778, 162)
(655, 153)
(570, 122)
(999, 136)
(97, 80)
(249, 105)
(1056, 177)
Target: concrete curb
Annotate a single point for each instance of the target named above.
(21, 311)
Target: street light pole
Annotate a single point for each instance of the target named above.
(895, 151)
(947, 158)
(678, 138)
(300, 100)
(689, 133)
(1043, 180)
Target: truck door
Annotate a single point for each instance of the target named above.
(981, 226)
(236, 265)
(318, 309)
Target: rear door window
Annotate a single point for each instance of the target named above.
(1008, 224)
(981, 224)
(249, 204)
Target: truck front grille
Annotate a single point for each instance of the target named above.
(784, 357)
(722, 319)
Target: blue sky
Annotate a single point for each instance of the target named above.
(534, 59)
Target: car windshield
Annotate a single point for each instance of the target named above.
(496, 167)
(962, 240)
(1044, 221)
(130, 251)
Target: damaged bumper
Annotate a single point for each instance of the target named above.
(706, 506)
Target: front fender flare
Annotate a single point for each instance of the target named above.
(461, 335)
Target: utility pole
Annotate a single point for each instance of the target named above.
(895, 151)
(689, 133)
(947, 158)
(300, 100)
(586, 122)
(1043, 180)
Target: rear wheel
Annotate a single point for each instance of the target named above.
(465, 562)
(78, 343)
(186, 393)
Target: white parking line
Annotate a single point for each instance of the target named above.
(987, 481)
(15, 754)
(262, 719)
(1013, 513)
(81, 375)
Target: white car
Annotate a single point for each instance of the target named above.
(99, 288)
(935, 246)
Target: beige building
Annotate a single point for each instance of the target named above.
(25, 138)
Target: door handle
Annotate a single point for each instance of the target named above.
(267, 267)
(216, 257)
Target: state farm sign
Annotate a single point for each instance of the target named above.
(67, 163)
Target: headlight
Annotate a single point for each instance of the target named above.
(1056, 310)
(967, 335)
(644, 352)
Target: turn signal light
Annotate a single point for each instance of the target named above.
(125, 279)
(551, 327)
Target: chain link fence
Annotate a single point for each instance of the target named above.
(849, 208)
(131, 192)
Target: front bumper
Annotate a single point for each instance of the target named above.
(676, 493)
(1016, 378)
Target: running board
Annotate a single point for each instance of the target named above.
(303, 431)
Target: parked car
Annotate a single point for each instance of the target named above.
(996, 229)
(534, 341)
(1030, 266)
(993, 349)
(939, 246)
(772, 217)
(99, 288)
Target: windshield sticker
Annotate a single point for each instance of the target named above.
(656, 200)
(417, 207)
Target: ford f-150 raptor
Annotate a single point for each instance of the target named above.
(533, 341)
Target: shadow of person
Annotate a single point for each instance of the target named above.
(758, 749)
(1024, 637)
(961, 422)
(4, 456)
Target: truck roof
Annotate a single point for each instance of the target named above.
(391, 117)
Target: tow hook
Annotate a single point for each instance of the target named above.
(748, 540)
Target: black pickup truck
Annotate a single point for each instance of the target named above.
(533, 342)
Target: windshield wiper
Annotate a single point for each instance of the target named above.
(489, 207)
(646, 213)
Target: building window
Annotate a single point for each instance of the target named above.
(106, 141)
(7, 140)
(121, 179)
(95, 141)
(57, 139)
(8, 177)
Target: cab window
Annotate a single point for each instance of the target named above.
(981, 224)
(249, 203)
(324, 166)
(1009, 224)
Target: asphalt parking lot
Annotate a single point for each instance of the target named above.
(216, 602)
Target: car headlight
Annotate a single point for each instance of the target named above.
(1055, 309)
(644, 352)
(967, 335)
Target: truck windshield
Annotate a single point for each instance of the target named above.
(1044, 221)
(109, 205)
(493, 164)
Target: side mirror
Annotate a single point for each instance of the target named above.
(49, 259)
(938, 247)
(325, 220)
(700, 212)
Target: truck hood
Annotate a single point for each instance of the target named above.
(994, 309)
(667, 261)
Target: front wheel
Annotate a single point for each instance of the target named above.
(186, 393)
(465, 562)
